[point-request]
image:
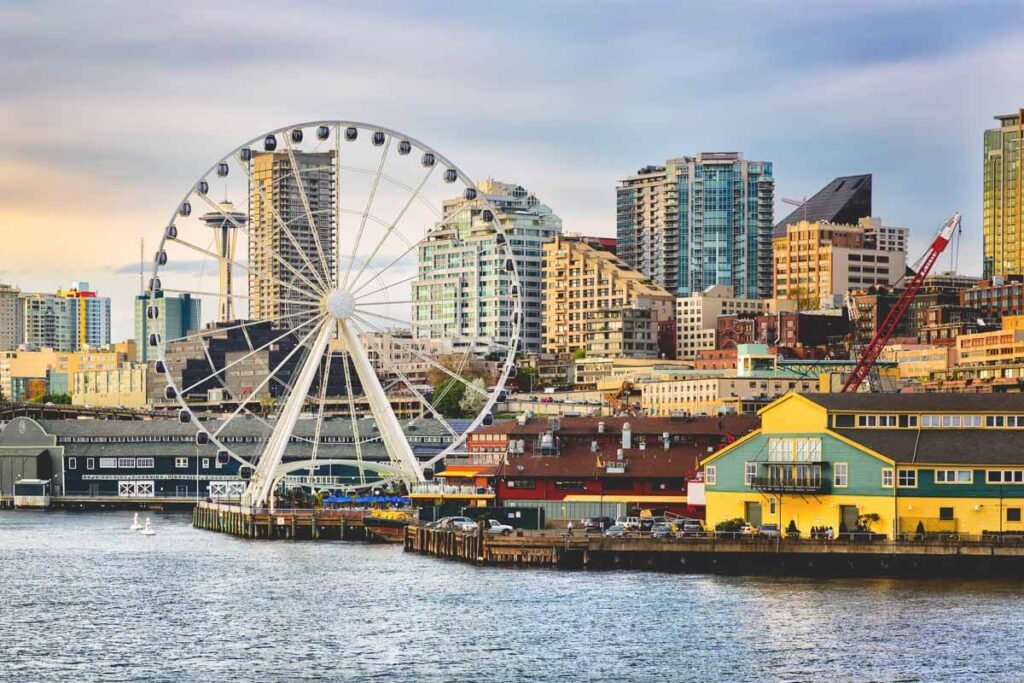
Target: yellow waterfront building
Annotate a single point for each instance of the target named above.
(893, 464)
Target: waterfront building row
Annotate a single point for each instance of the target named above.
(894, 464)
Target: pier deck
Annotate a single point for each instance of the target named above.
(246, 522)
(918, 559)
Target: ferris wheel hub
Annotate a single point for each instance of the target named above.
(341, 304)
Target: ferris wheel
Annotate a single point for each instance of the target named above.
(336, 268)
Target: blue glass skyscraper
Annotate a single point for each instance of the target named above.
(700, 221)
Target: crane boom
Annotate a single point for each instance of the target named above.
(888, 327)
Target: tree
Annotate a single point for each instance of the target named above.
(579, 353)
(526, 378)
(465, 365)
(731, 525)
(447, 397)
(473, 401)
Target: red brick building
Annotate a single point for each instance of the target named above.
(580, 467)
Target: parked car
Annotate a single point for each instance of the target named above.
(630, 523)
(597, 523)
(616, 531)
(647, 523)
(661, 530)
(438, 523)
(546, 399)
(748, 530)
(692, 527)
(457, 523)
(769, 531)
(495, 527)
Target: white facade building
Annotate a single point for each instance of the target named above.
(885, 237)
(697, 317)
(463, 291)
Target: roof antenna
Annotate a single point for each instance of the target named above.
(142, 266)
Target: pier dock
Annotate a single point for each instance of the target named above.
(909, 559)
(295, 524)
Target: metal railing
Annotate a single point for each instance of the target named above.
(432, 488)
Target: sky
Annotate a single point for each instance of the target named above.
(111, 110)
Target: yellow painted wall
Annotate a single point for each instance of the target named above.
(807, 511)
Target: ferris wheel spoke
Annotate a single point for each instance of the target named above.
(273, 252)
(266, 380)
(325, 377)
(257, 274)
(324, 287)
(337, 205)
(195, 292)
(247, 356)
(240, 326)
(366, 211)
(427, 359)
(412, 277)
(415, 193)
(313, 228)
(389, 302)
(405, 253)
(245, 230)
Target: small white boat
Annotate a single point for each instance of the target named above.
(148, 530)
(135, 523)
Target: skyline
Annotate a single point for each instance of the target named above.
(108, 128)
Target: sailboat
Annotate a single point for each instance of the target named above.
(149, 530)
(135, 523)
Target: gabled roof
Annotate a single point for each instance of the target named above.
(846, 199)
(578, 461)
(943, 446)
(920, 402)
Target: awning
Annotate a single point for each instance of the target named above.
(624, 499)
(466, 471)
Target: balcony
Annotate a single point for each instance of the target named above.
(795, 484)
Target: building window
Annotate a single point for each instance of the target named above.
(206, 463)
(844, 421)
(108, 463)
(779, 450)
(569, 484)
(521, 483)
(993, 420)
(866, 421)
(144, 462)
(72, 463)
(771, 506)
(749, 472)
(181, 462)
(841, 475)
(954, 476)
(907, 479)
(887, 477)
(930, 421)
(950, 420)
(946, 514)
(710, 475)
(124, 462)
(808, 450)
(972, 420)
(1004, 476)
(90, 463)
(1012, 514)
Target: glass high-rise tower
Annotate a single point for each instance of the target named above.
(1002, 218)
(700, 221)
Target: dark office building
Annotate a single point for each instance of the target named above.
(844, 200)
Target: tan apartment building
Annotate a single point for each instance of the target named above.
(595, 302)
(814, 261)
(712, 395)
(919, 361)
(124, 386)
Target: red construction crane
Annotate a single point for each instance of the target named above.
(888, 327)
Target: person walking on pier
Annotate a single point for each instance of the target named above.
(569, 531)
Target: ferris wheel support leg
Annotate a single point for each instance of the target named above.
(258, 491)
(391, 433)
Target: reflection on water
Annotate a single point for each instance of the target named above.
(81, 596)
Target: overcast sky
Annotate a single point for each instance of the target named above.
(111, 110)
